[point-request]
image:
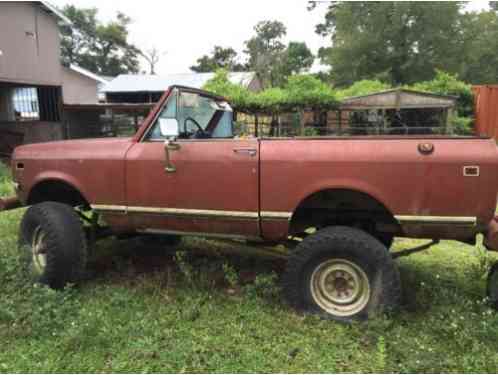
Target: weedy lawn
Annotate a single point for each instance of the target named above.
(185, 311)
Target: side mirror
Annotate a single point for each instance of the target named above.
(169, 127)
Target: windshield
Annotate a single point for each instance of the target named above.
(198, 116)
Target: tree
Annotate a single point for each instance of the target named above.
(396, 42)
(152, 56)
(478, 52)
(297, 58)
(266, 51)
(221, 58)
(101, 48)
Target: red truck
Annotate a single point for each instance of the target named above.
(338, 201)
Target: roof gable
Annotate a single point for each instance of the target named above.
(399, 98)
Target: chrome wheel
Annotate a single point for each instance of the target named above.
(340, 287)
(39, 251)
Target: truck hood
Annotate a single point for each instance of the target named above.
(74, 149)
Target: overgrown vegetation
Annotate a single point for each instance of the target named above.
(308, 92)
(206, 309)
(300, 91)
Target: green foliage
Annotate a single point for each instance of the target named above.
(221, 85)
(448, 84)
(101, 48)
(363, 87)
(405, 42)
(300, 91)
(271, 59)
(478, 59)
(297, 57)
(6, 187)
(220, 58)
(396, 42)
(265, 51)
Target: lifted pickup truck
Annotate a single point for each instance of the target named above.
(340, 200)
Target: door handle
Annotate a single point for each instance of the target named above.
(170, 145)
(249, 151)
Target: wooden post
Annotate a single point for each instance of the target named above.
(447, 120)
(256, 126)
(339, 125)
(301, 123)
(383, 121)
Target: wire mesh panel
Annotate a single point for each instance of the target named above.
(346, 123)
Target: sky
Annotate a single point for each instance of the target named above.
(184, 30)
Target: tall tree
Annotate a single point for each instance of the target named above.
(101, 48)
(398, 42)
(266, 51)
(220, 58)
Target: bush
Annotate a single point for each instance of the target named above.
(363, 87)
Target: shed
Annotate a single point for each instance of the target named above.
(397, 111)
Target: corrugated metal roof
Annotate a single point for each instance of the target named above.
(399, 98)
(87, 73)
(155, 83)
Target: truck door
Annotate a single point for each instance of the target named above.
(204, 182)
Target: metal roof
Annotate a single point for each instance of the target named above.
(399, 98)
(87, 73)
(155, 83)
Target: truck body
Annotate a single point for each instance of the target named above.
(270, 188)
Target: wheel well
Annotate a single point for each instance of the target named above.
(56, 191)
(343, 207)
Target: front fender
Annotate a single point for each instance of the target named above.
(58, 176)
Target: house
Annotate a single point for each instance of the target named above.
(132, 88)
(30, 73)
(34, 87)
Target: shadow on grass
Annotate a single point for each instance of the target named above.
(208, 263)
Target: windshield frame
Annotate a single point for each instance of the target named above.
(144, 135)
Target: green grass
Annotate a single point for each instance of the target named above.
(6, 187)
(194, 313)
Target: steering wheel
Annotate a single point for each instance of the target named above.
(201, 133)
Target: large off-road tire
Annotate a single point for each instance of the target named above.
(492, 286)
(342, 273)
(52, 245)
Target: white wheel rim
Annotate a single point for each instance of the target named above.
(38, 251)
(340, 287)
